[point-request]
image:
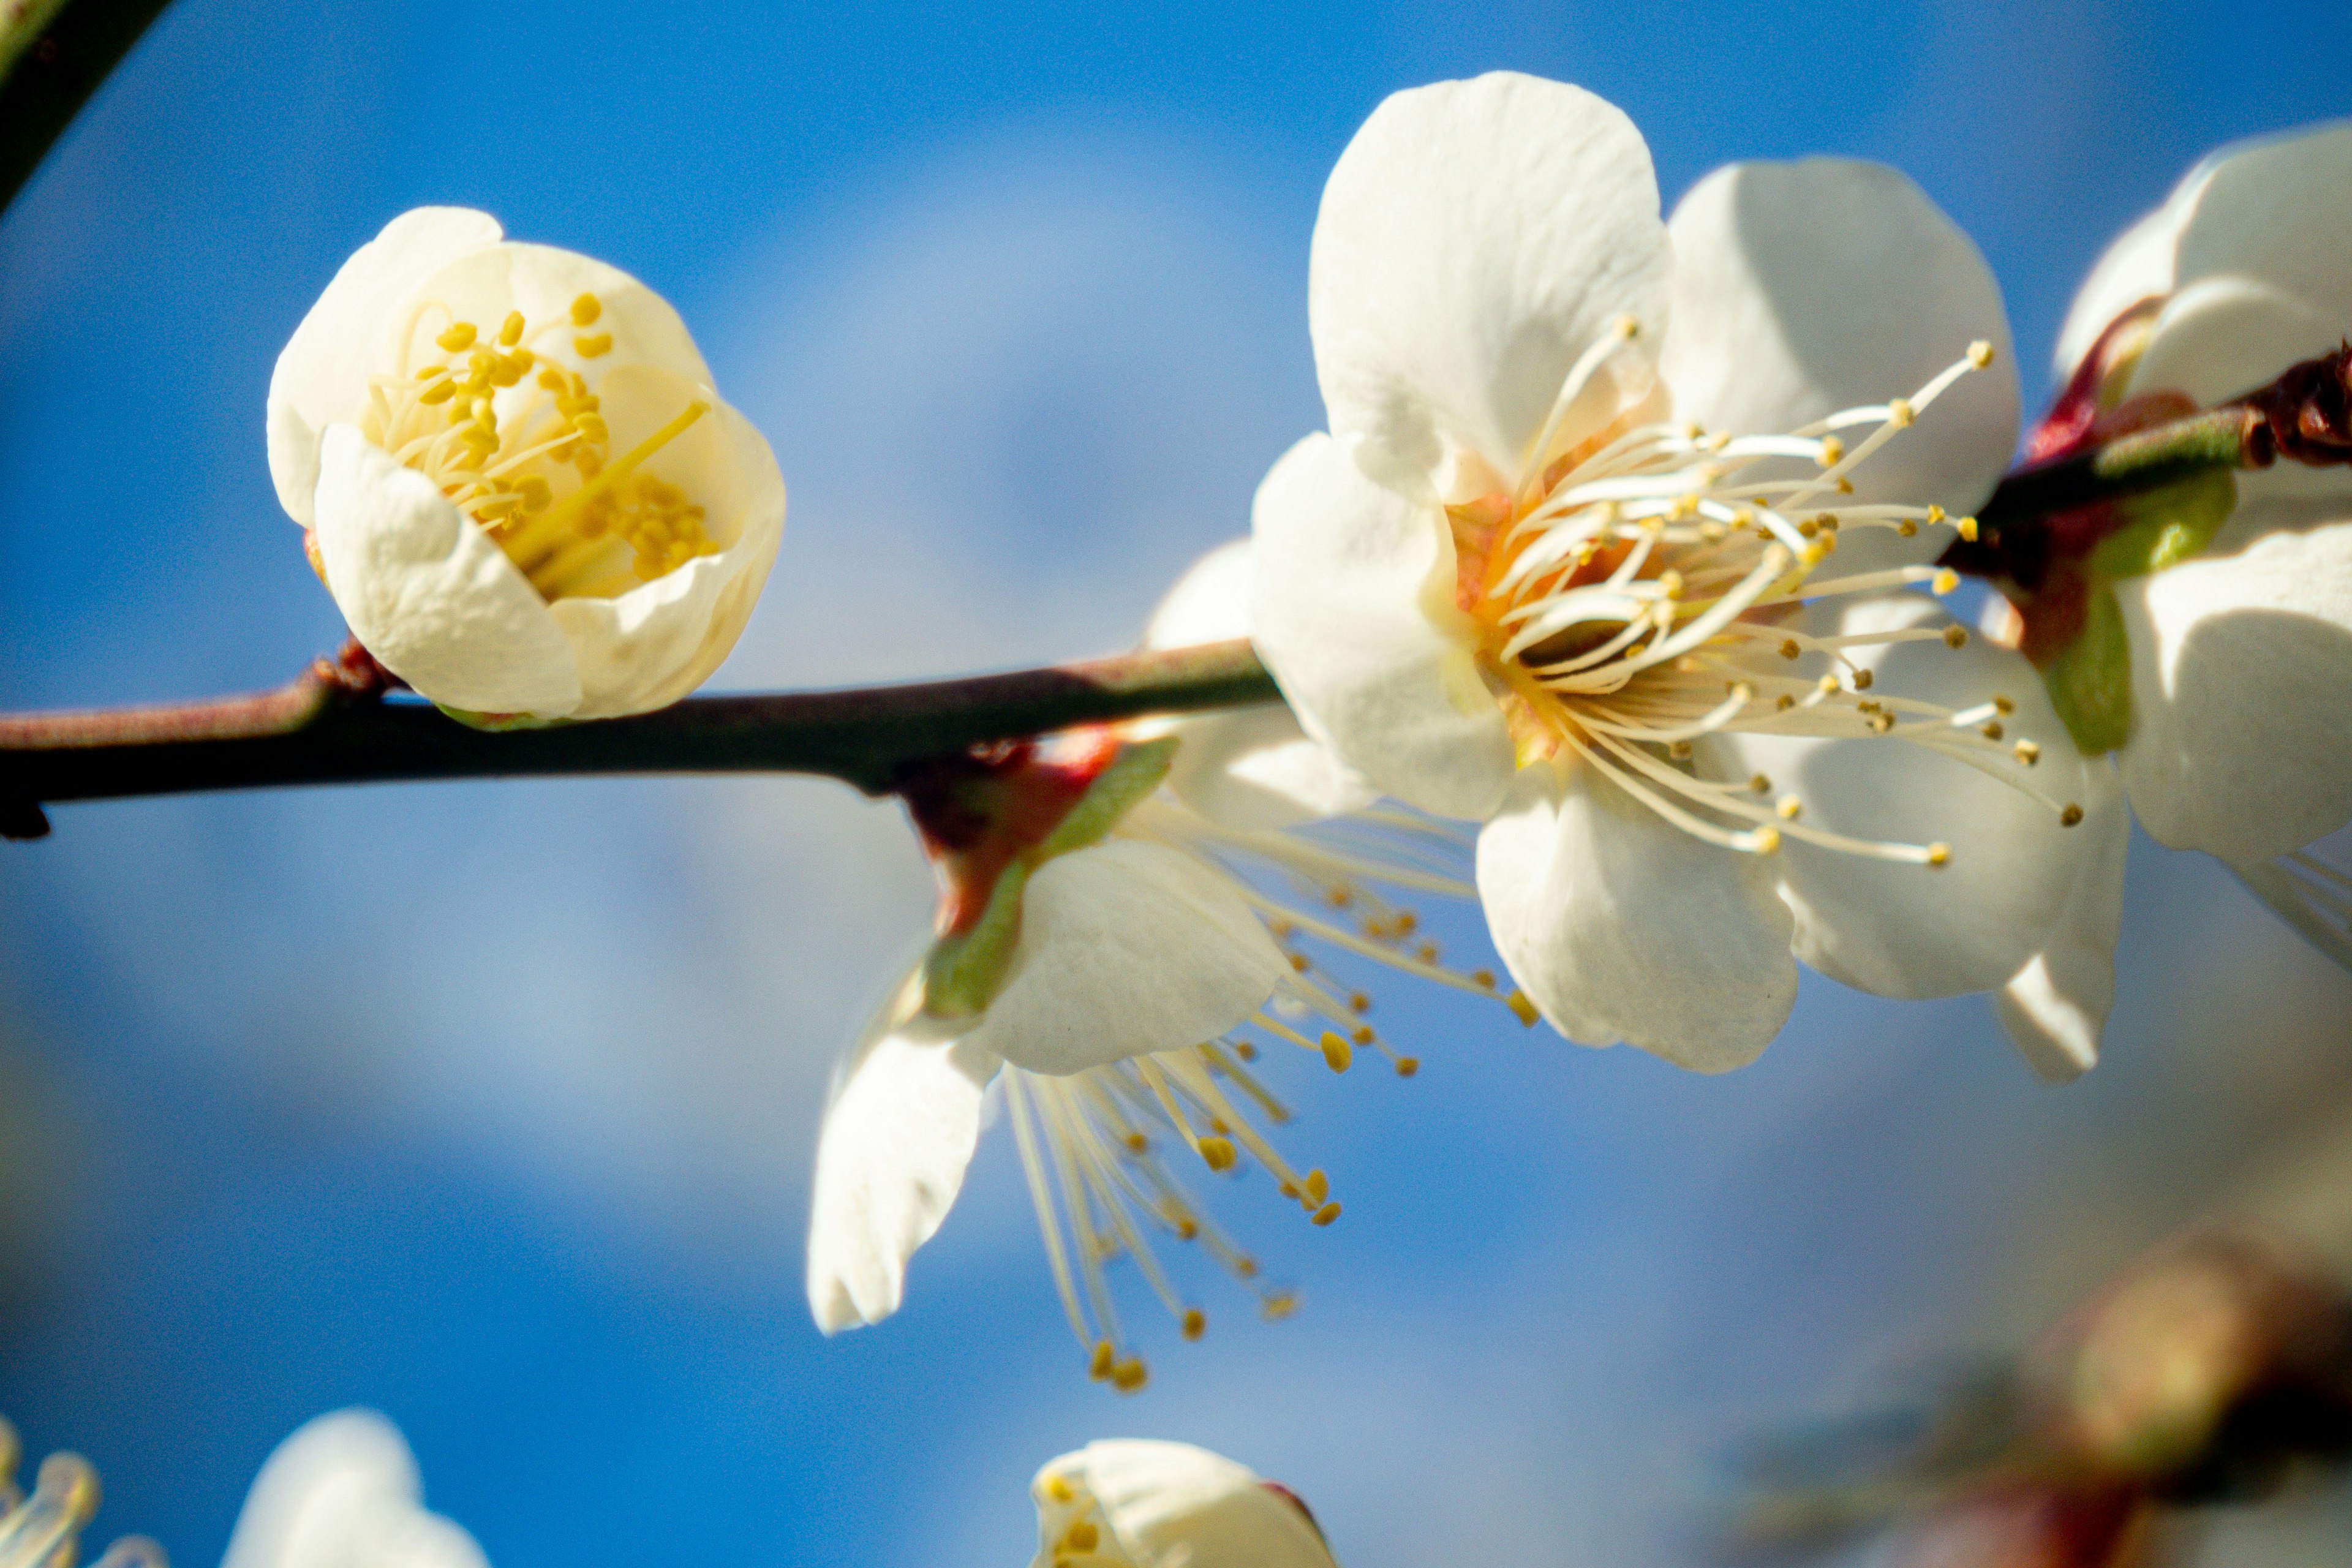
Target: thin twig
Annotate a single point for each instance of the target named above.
(53, 56)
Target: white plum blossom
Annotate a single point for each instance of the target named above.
(1607, 547)
(1114, 978)
(343, 1492)
(1130, 1503)
(515, 479)
(2240, 656)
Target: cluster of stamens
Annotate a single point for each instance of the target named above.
(43, 1530)
(517, 441)
(1092, 1144)
(1635, 597)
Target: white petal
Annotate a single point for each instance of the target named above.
(542, 281)
(1250, 768)
(899, 1133)
(1171, 1503)
(2055, 1008)
(343, 1492)
(647, 647)
(1356, 618)
(2276, 211)
(1621, 926)
(428, 595)
(321, 376)
(2219, 337)
(2136, 267)
(1474, 239)
(1126, 948)
(1904, 930)
(1803, 289)
(2290, 897)
(2242, 695)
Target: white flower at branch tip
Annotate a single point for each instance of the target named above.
(2241, 677)
(1128, 1502)
(343, 1492)
(1609, 546)
(1105, 965)
(518, 483)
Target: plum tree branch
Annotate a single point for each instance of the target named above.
(53, 56)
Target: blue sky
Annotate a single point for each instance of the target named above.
(491, 1105)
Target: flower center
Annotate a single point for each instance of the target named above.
(519, 443)
(1636, 594)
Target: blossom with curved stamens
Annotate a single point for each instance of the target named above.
(342, 1490)
(1125, 1502)
(2240, 652)
(1606, 549)
(1115, 962)
(515, 479)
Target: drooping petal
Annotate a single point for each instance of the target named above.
(1474, 239)
(429, 593)
(2242, 714)
(2055, 1008)
(1126, 947)
(343, 1492)
(899, 1133)
(1171, 1503)
(322, 377)
(1252, 768)
(1803, 289)
(647, 647)
(1356, 618)
(1898, 928)
(1621, 926)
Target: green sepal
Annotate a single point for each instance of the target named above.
(1118, 789)
(498, 723)
(2166, 526)
(961, 975)
(2090, 683)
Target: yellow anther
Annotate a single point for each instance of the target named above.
(1483, 978)
(1939, 856)
(1789, 808)
(1844, 486)
(1946, 581)
(1196, 1322)
(1359, 1004)
(1981, 354)
(1669, 583)
(432, 372)
(2003, 706)
(1130, 1376)
(589, 345)
(1059, 1489)
(511, 329)
(1408, 1066)
(1788, 648)
(1991, 731)
(1318, 1187)
(1679, 750)
(1899, 411)
(1968, 527)
(2071, 815)
(1218, 1154)
(1361, 1033)
(439, 392)
(1761, 783)
(1081, 1536)
(1827, 685)
(1247, 1268)
(1813, 554)
(1336, 1052)
(1327, 1214)
(1298, 962)
(2026, 751)
(1905, 529)
(1244, 1050)
(1765, 840)
(1808, 528)
(1426, 952)
(1833, 450)
(1279, 1305)
(1956, 635)
(585, 309)
(1784, 702)
(552, 380)
(1104, 1359)
(1137, 1144)
(1628, 328)
(1882, 723)
(457, 338)
(1863, 681)
(1521, 1008)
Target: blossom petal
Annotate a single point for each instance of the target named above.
(899, 1133)
(1474, 239)
(2136, 267)
(2276, 211)
(1901, 929)
(1620, 925)
(344, 1489)
(1171, 1503)
(542, 281)
(1803, 289)
(1126, 948)
(647, 647)
(429, 593)
(1355, 615)
(2219, 337)
(2241, 736)
(1250, 768)
(321, 378)
(2055, 1008)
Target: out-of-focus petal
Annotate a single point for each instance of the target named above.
(2055, 1008)
(1475, 238)
(1621, 926)
(1126, 947)
(1171, 1503)
(1356, 618)
(343, 1492)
